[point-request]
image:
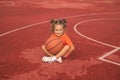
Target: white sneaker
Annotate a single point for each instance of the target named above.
(47, 59)
(59, 60)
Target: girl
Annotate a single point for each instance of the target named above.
(58, 30)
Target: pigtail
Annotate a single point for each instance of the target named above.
(52, 21)
(64, 20)
(59, 22)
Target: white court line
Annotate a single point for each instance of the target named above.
(24, 27)
(109, 53)
(106, 44)
(6, 33)
(115, 63)
(90, 14)
(109, 61)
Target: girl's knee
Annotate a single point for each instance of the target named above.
(67, 47)
(43, 46)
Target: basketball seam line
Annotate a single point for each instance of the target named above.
(55, 46)
(51, 41)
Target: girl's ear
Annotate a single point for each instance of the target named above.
(52, 21)
(64, 20)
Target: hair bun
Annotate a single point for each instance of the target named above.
(64, 20)
(52, 21)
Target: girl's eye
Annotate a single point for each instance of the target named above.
(58, 30)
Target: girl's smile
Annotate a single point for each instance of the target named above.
(59, 30)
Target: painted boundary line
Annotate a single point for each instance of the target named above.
(90, 14)
(24, 27)
(107, 54)
(21, 28)
(106, 44)
(109, 61)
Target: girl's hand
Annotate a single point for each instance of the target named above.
(50, 55)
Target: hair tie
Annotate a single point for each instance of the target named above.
(64, 20)
(52, 21)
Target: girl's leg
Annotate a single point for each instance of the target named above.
(68, 53)
(63, 51)
(66, 56)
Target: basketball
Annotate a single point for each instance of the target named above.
(54, 45)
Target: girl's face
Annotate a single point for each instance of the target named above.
(59, 30)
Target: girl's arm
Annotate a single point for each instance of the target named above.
(70, 44)
(45, 50)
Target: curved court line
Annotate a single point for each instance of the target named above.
(106, 44)
(104, 13)
(24, 27)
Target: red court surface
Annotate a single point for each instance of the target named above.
(93, 26)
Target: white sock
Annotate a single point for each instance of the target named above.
(53, 58)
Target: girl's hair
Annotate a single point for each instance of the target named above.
(59, 22)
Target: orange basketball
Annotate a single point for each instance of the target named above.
(54, 45)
